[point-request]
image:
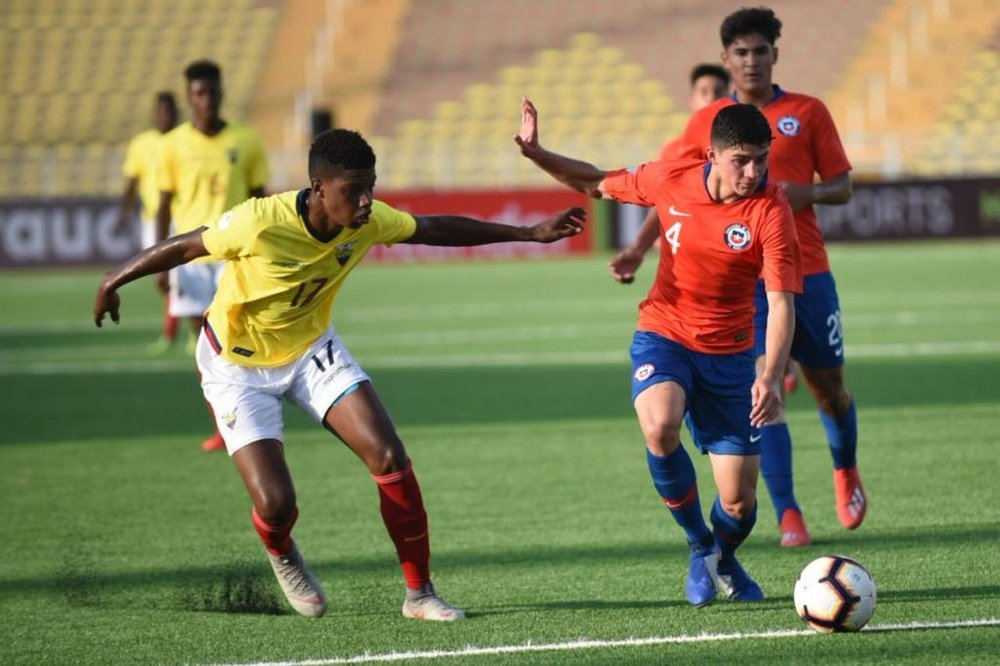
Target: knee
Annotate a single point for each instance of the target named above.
(834, 403)
(739, 507)
(662, 435)
(276, 506)
(387, 458)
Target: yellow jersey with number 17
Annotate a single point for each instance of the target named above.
(208, 175)
(277, 288)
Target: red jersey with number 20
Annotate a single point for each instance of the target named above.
(805, 143)
(711, 254)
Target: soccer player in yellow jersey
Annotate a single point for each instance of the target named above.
(207, 166)
(267, 336)
(142, 158)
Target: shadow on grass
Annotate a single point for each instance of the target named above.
(80, 407)
(248, 587)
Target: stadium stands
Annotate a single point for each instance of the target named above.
(435, 85)
(80, 75)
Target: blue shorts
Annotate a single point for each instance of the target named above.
(717, 387)
(819, 339)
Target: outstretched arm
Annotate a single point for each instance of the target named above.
(766, 390)
(455, 230)
(581, 176)
(159, 258)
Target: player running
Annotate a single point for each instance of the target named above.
(805, 144)
(267, 336)
(692, 355)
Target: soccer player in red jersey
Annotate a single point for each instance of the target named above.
(267, 337)
(692, 355)
(806, 144)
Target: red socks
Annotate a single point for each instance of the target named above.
(277, 538)
(406, 521)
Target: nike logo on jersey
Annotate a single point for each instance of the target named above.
(677, 213)
(755, 438)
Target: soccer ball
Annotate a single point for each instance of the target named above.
(835, 593)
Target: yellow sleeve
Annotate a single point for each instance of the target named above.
(234, 234)
(393, 225)
(132, 168)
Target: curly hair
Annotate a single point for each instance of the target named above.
(203, 69)
(740, 125)
(336, 150)
(749, 21)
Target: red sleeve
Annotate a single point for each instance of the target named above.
(829, 155)
(782, 270)
(636, 186)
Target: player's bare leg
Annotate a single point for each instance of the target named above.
(837, 411)
(776, 467)
(660, 410)
(269, 483)
(215, 442)
(361, 421)
(733, 517)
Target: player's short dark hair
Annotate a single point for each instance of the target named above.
(706, 69)
(166, 98)
(337, 150)
(740, 125)
(750, 21)
(201, 70)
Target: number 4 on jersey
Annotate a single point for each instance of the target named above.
(672, 236)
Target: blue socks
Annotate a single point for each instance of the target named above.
(776, 466)
(842, 434)
(730, 532)
(674, 478)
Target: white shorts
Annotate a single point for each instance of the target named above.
(192, 288)
(247, 400)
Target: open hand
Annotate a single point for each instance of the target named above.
(527, 136)
(567, 223)
(625, 264)
(107, 302)
(765, 395)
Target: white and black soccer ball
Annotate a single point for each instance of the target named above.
(835, 593)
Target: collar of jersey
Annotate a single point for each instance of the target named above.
(778, 94)
(302, 208)
(302, 205)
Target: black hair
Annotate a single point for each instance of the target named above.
(706, 69)
(167, 98)
(750, 21)
(203, 69)
(337, 150)
(740, 125)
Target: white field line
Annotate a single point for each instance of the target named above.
(480, 360)
(594, 644)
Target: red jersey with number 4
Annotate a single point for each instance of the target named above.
(805, 143)
(711, 254)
